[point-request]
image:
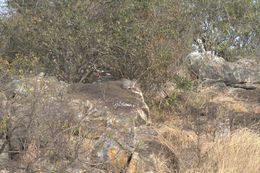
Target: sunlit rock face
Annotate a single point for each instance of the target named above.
(99, 127)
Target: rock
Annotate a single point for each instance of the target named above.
(95, 127)
(208, 66)
(230, 87)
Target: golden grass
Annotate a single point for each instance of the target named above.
(179, 141)
(231, 103)
(239, 153)
(160, 164)
(176, 137)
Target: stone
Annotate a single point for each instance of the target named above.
(54, 125)
(208, 66)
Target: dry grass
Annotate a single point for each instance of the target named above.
(230, 103)
(31, 153)
(238, 153)
(176, 137)
(160, 164)
(181, 142)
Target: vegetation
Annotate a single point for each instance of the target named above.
(229, 28)
(78, 40)
(133, 39)
(237, 153)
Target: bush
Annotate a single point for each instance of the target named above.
(73, 39)
(130, 38)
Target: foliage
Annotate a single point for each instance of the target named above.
(73, 39)
(129, 38)
(227, 27)
(169, 102)
(24, 64)
(20, 65)
(185, 83)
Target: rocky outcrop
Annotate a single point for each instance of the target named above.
(208, 66)
(99, 127)
(226, 97)
(234, 86)
(48, 125)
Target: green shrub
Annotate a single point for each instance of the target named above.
(184, 83)
(72, 39)
(130, 38)
(169, 102)
(20, 65)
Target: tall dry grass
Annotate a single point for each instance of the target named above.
(239, 153)
(161, 164)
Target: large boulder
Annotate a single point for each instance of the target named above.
(234, 86)
(228, 92)
(208, 66)
(99, 127)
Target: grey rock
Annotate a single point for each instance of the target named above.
(93, 126)
(208, 66)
